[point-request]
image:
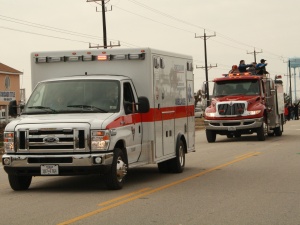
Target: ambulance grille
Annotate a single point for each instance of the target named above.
(231, 109)
(58, 140)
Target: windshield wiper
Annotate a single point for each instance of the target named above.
(87, 106)
(45, 108)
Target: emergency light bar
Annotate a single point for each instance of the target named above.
(238, 74)
(84, 58)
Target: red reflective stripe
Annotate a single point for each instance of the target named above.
(153, 115)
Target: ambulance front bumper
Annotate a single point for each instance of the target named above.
(78, 164)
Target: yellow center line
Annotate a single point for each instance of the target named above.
(124, 196)
(246, 154)
(243, 157)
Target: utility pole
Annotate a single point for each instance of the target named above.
(254, 53)
(103, 10)
(290, 77)
(205, 37)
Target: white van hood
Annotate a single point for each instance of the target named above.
(96, 120)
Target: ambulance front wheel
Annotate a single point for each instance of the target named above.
(18, 182)
(116, 175)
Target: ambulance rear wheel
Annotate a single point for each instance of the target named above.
(210, 136)
(177, 164)
(116, 175)
(19, 183)
(163, 167)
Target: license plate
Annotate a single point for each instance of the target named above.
(49, 170)
(231, 129)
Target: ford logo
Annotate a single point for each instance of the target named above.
(50, 140)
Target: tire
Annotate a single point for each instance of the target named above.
(210, 136)
(261, 133)
(177, 164)
(116, 175)
(229, 135)
(278, 130)
(237, 135)
(163, 167)
(19, 183)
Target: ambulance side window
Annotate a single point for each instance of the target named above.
(128, 99)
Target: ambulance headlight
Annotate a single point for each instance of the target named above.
(100, 140)
(9, 141)
(254, 112)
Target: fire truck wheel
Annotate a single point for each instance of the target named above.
(261, 133)
(19, 183)
(278, 130)
(117, 172)
(177, 164)
(210, 136)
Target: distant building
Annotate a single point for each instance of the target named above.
(9, 87)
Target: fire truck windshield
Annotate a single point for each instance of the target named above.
(236, 87)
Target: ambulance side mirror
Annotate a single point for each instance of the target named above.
(12, 108)
(143, 104)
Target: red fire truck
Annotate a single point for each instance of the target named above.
(243, 103)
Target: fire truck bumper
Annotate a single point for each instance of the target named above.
(233, 125)
(57, 165)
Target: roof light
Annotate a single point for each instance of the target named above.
(54, 59)
(72, 58)
(119, 57)
(87, 58)
(102, 57)
(136, 56)
(41, 60)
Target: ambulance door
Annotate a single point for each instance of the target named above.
(132, 128)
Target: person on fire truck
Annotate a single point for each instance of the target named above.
(261, 67)
(243, 67)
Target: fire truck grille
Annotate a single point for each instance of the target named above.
(64, 140)
(231, 109)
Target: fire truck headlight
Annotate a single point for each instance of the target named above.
(9, 141)
(100, 140)
(254, 112)
(210, 114)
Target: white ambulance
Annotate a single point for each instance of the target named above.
(101, 112)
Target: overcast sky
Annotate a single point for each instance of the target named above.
(270, 27)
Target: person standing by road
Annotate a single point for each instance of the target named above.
(296, 110)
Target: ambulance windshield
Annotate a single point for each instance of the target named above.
(75, 96)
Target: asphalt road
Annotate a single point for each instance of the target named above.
(233, 181)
